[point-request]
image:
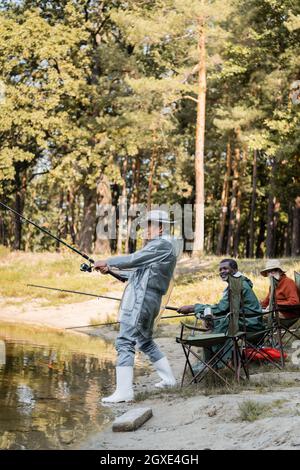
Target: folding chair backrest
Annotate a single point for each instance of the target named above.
(235, 285)
(272, 304)
(297, 281)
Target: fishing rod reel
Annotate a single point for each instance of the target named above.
(87, 268)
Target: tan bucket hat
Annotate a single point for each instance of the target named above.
(270, 265)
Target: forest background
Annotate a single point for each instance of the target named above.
(151, 102)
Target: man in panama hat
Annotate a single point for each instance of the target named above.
(150, 273)
(286, 292)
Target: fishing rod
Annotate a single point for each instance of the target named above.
(84, 267)
(167, 307)
(74, 292)
(117, 322)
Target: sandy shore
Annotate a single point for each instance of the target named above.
(181, 420)
(208, 422)
(62, 316)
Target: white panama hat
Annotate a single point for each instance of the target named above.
(270, 265)
(157, 215)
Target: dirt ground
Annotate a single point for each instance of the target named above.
(199, 421)
(61, 316)
(188, 419)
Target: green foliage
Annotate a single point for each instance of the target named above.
(90, 86)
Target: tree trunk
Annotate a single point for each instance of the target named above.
(135, 196)
(240, 176)
(72, 217)
(224, 201)
(270, 227)
(131, 236)
(87, 231)
(253, 204)
(20, 182)
(270, 242)
(102, 243)
(277, 235)
(153, 161)
(237, 231)
(260, 239)
(60, 233)
(3, 240)
(288, 233)
(296, 228)
(233, 203)
(200, 135)
(122, 208)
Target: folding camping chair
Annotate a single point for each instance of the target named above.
(268, 344)
(285, 326)
(259, 345)
(218, 344)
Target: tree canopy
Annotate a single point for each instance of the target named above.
(99, 103)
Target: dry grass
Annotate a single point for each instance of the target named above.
(17, 269)
(251, 410)
(196, 281)
(204, 285)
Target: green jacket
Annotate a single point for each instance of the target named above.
(250, 301)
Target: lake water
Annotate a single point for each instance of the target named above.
(50, 396)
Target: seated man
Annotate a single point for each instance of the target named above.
(250, 304)
(286, 292)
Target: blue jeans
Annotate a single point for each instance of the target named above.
(128, 338)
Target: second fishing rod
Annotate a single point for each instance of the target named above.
(166, 307)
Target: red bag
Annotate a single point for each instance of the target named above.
(256, 355)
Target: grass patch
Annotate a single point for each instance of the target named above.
(251, 410)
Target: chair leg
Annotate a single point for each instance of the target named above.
(292, 333)
(255, 348)
(244, 364)
(187, 362)
(280, 345)
(236, 365)
(208, 365)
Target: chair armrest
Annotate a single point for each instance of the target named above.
(191, 327)
(288, 307)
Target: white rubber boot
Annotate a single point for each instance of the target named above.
(164, 370)
(124, 390)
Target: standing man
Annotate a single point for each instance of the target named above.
(152, 269)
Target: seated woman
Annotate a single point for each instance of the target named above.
(286, 292)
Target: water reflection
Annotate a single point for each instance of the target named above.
(50, 399)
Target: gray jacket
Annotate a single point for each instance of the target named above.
(152, 269)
